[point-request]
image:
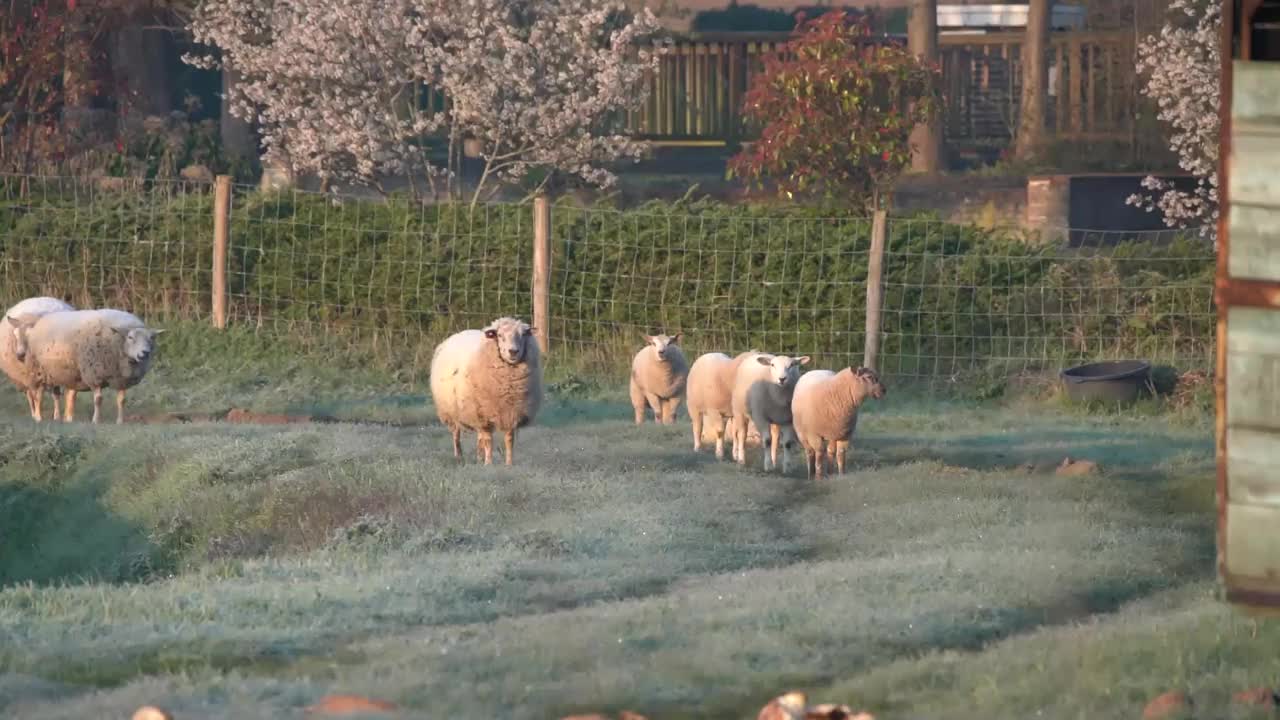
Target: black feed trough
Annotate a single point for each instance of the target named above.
(1120, 381)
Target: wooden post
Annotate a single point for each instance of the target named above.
(1035, 80)
(875, 287)
(542, 271)
(221, 219)
(922, 38)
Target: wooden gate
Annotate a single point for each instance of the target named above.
(1248, 299)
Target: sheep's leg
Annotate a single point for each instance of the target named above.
(456, 431)
(722, 429)
(484, 446)
(70, 414)
(820, 465)
(36, 399)
(655, 404)
(809, 456)
(510, 442)
(786, 459)
(740, 439)
(31, 402)
(696, 419)
(637, 401)
(775, 435)
(669, 408)
(842, 448)
(97, 404)
(57, 403)
(120, 407)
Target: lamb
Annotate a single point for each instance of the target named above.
(824, 410)
(658, 375)
(762, 391)
(485, 381)
(710, 395)
(19, 372)
(86, 350)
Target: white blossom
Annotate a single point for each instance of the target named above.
(1182, 66)
(334, 84)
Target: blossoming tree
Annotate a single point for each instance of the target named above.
(1182, 65)
(838, 109)
(335, 85)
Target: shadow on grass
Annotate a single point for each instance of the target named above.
(55, 528)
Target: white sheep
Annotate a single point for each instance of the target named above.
(762, 391)
(86, 350)
(709, 395)
(658, 375)
(488, 381)
(824, 410)
(19, 372)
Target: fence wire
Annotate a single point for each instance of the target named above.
(961, 303)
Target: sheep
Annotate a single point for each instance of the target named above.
(761, 394)
(19, 372)
(709, 395)
(485, 381)
(87, 350)
(824, 410)
(658, 375)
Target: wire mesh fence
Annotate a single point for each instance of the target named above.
(959, 302)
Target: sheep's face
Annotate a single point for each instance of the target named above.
(139, 343)
(512, 338)
(18, 327)
(662, 344)
(783, 369)
(870, 380)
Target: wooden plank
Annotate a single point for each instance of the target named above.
(1251, 457)
(1253, 368)
(1241, 292)
(1255, 97)
(1255, 254)
(1255, 161)
(1254, 543)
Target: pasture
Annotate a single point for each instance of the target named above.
(242, 571)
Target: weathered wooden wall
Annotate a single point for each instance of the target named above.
(1249, 363)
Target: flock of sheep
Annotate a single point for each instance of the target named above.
(486, 381)
(490, 380)
(49, 345)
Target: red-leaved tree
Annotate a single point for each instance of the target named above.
(31, 69)
(837, 108)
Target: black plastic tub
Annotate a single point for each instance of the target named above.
(1121, 381)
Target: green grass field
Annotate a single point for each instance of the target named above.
(232, 571)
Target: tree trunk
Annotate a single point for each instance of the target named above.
(237, 136)
(77, 81)
(922, 39)
(1035, 80)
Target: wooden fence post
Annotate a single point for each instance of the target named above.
(221, 219)
(875, 288)
(542, 271)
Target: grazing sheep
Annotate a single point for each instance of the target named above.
(19, 372)
(824, 410)
(658, 374)
(86, 350)
(485, 381)
(762, 391)
(709, 395)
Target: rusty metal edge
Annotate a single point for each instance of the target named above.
(1238, 292)
(1223, 282)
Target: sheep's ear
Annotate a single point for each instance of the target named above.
(764, 360)
(161, 331)
(529, 331)
(119, 331)
(675, 339)
(25, 322)
(649, 339)
(491, 333)
(803, 360)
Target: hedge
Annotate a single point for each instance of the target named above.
(730, 277)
